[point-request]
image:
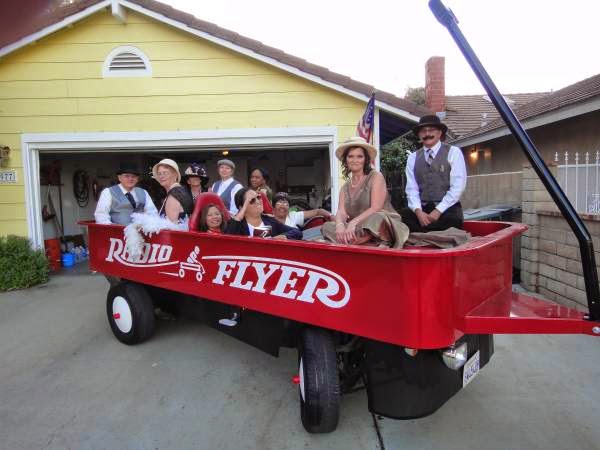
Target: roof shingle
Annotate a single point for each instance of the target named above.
(567, 96)
(466, 113)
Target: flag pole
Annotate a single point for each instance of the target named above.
(372, 138)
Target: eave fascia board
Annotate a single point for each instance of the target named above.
(268, 60)
(585, 107)
(53, 28)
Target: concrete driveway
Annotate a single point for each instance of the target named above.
(67, 383)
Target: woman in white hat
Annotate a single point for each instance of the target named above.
(178, 204)
(365, 214)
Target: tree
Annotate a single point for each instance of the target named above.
(415, 95)
(395, 153)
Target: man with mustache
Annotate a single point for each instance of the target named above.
(436, 177)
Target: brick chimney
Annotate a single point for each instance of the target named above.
(435, 92)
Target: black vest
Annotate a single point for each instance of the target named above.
(433, 180)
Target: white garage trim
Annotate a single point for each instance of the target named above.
(33, 144)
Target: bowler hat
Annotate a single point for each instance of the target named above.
(128, 167)
(430, 121)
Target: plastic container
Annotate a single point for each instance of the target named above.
(53, 254)
(68, 259)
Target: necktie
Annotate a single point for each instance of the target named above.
(429, 156)
(131, 200)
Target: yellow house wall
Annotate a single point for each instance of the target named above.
(56, 85)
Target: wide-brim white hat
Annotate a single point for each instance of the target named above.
(169, 163)
(356, 141)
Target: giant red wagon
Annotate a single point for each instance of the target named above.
(388, 318)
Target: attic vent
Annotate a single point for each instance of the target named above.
(126, 61)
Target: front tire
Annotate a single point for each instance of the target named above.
(319, 381)
(130, 313)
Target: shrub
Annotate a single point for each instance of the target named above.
(20, 265)
(394, 156)
(395, 153)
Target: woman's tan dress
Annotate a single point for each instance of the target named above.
(384, 227)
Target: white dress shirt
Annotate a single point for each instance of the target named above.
(458, 179)
(295, 219)
(102, 213)
(224, 185)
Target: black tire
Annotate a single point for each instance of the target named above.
(130, 299)
(319, 382)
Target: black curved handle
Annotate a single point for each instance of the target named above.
(586, 246)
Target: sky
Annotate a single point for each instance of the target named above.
(525, 45)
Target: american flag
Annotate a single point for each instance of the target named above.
(365, 125)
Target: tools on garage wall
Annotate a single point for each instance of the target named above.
(50, 176)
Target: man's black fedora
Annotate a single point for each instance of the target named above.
(127, 167)
(430, 121)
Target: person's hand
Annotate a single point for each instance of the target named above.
(247, 200)
(324, 213)
(351, 232)
(242, 211)
(423, 217)
(434, 215)
(280, 237)
(340, 233)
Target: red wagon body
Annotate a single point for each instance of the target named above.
(420, 298)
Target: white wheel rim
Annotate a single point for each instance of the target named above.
(122, 314)
(301, 375)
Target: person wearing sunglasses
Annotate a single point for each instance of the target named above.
(250, 220)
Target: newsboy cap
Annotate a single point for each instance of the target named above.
(226, 162)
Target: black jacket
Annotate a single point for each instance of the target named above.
(277, 228)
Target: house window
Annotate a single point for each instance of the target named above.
(126, 61)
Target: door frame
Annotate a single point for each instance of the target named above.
(32, 144)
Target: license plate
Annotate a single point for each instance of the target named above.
(471, 369)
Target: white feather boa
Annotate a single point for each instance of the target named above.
(147, 224)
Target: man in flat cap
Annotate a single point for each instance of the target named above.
(118, 202)
(227, 186)
(436, 177)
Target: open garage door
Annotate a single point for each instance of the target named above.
(70, 182)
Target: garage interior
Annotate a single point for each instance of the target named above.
(71, 182)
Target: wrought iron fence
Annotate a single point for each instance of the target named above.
(579, 176)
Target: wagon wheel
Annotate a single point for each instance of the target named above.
(130, 313)
(319, 382)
